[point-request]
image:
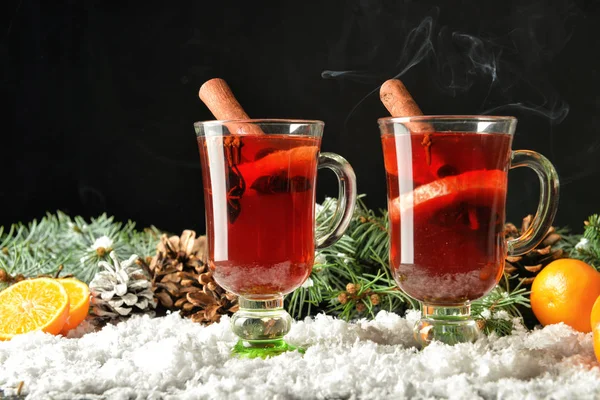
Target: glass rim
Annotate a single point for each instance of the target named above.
(257, 121)
(447, 118)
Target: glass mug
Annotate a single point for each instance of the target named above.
(259, 180)
(446, 190)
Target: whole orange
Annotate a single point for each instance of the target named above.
(595, 321)
(565, 291)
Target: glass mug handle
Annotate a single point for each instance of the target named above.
(547, 206)
(346, 198)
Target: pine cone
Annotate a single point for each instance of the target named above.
(121, 289)
(182, 281)
(527, 266)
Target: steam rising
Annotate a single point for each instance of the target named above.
(461, 63)
(462, 58)
(554, 113)
(419, 38)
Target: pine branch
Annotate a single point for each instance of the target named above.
(589, 246)
(496, 311)
(371, 233)
(41, 247)
(592, 228)
(585, 247)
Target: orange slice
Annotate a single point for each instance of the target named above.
(79, 298)
(482, 187)
(299, 161)
(31, 305)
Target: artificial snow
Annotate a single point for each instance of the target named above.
(102, 241)
(173, 358)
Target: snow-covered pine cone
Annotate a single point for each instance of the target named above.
(121, 289)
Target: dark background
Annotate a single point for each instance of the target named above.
(100, 96)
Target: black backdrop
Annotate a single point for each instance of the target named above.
(100, 96)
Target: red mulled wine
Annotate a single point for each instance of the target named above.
(259, 193)
(446, 201)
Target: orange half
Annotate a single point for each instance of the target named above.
(32, 305)
(79, 298)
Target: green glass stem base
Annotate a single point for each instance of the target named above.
(261, 326)
(449, 325)
(263, 348)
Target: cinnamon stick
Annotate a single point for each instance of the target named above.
(218, 97)
(398, 101)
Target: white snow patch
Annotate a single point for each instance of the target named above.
(102, 241)
(173, 358)
(583, 244)
(308, 283)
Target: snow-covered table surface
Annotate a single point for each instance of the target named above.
(173, 358)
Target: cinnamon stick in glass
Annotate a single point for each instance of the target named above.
(218, 97)
(398, 101)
